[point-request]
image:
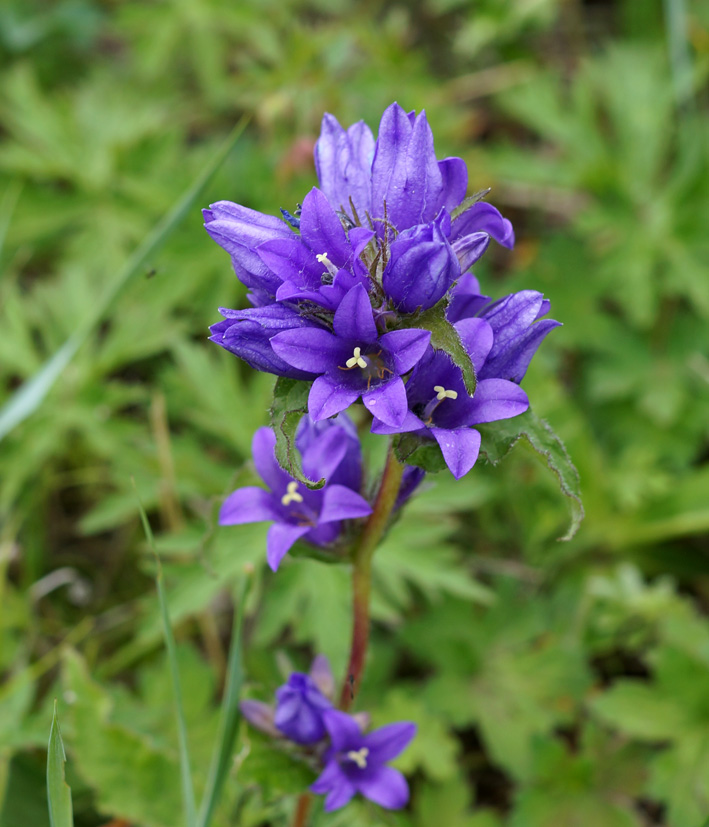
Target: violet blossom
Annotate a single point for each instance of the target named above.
(441, 408)
(357, 763)
(295, 510)
(354, 361)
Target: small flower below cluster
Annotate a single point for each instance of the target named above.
(351, 760)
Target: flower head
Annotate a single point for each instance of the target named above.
(295, 510)
(357, 763)
(355, 361)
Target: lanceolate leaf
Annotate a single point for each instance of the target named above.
(469, 202)
(58, 792)
(500, 437)
(290, 404)
(445, 337)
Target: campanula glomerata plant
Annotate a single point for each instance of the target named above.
(364, 294)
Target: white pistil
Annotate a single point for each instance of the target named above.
(442, 393)
(324, 260)
(292, 495)
(359, 757)
(356, 359)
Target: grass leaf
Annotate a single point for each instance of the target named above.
(58, 791)
(188, 798)
(221, 759)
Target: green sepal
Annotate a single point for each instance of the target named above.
(445, 337)
(290, 404)
(469, 202)
(498, 439)
(424, 453)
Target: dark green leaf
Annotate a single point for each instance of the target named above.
(445, 337)
(423, 453)
(500, 437)
(290, 404)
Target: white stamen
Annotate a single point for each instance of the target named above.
(292, 495)
(356, 359)
(442, 393)
(359, 757)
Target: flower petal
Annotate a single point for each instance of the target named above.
(470, 249)
(454, 172)
(340, 503)
(263, 446)
(477, 338)
(406, 347)
(324, 454)
(484, 218)
(354, 318)
(248, 505)
(460, 448)
(386, 787)
(312, 346)
(387, 401)
(279, 540)
(344, 731)
(322, 230)
(327, 398)
(321, 675)
(496, 399)
(411, 423)
(291, 260)
(341, 795)
(343, 162)
(387, 742)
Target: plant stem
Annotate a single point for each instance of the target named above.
(362, 573)
(302, 808)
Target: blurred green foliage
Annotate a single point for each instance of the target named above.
(553, 684)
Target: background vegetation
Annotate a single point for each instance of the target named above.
(554, 684)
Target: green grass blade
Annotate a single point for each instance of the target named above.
(58, 792)
(677, 25)
(29, 396)
(221, 759)
(188, 798)
(7, 210)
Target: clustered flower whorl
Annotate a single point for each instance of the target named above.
(340, 290)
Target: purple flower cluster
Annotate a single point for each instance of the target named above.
(352, 762)
(337, 290)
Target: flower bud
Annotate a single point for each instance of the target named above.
(422, 266)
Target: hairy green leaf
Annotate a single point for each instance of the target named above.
(469, 202)
(498, 439)
(58, 791)
(445, 337)
(424, 454)
(290, 404)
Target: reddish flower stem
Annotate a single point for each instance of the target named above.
(302, 808)
(362, 573)
(362, 554)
